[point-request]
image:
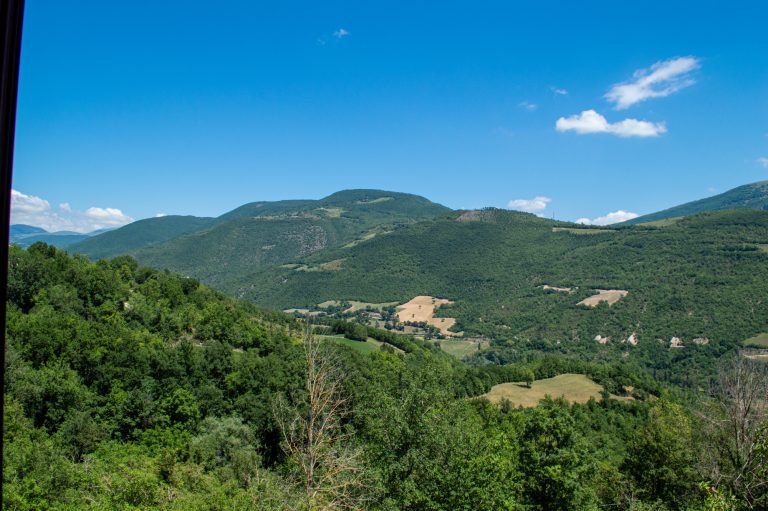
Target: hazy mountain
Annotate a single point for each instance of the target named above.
(25, 235)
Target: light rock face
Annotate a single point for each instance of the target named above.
(602, 340)
(676, 342)
(632, 339)
(701, 341)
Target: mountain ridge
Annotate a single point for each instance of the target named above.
(748, 196)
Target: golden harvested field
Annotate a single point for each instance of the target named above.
(604, 295)
(356, 306)
(576, 388)
(422, 309)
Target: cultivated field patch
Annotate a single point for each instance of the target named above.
(604, 295)
(461, 349)
(367, 236)
(758, 341)
(374, 201)
(369, 346)
(547, 287)
(334, 265)
(578, 231)
(662, 223)
(331, 212)
(355, 306)
(422, 309)
(575, 388)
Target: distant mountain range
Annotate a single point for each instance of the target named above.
(25, 235)
(511, 275)
(751, 196)
(260, 233)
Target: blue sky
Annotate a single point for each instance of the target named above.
(130, 109)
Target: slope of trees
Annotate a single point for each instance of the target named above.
(129, 388)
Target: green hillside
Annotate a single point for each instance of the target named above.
(139, 234)
(131, 388)
(261, 234)
(703, 277)
(751, 196)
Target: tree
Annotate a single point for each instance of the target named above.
(737, 430)
(329, 469)
(528, 376)
(660, 455)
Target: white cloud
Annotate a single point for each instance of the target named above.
(763, 161)
(536, 205)
(28, 209)
(660, 80)
(589, 121)
(559, 91)
(161, 215)
(610, 218)
(528, 106)
(340, 33)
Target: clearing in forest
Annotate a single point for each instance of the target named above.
(461, 349)
(604, 295)
(580, 231)
(422, 309)
(355, 306)
(547, 287)
(365, 347)
(758, 341)
(575, 388)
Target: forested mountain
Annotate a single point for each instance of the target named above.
(130, 388)
(261, 233)
(751, 196)
(139, 234)
(702, 278)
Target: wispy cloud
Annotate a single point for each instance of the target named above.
(340, 33)
(559, 91)
(536, 205)
(527, 105)
(610, 218)
(660, 80)
(28, 209)
(763, 161)
(589, 121)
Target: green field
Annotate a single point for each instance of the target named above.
(576, 388)
(459, 349)
(758, 341)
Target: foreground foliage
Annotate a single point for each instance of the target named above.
(130, 388)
